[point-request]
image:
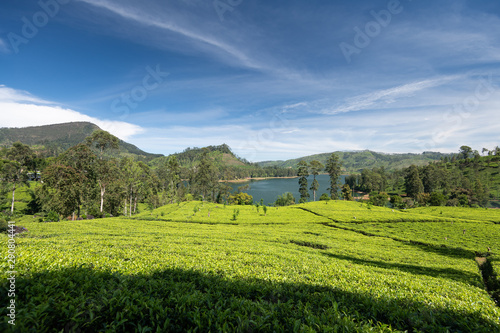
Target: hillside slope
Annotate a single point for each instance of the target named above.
(52, 140)
(358, 160)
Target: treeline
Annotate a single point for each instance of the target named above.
(84, 181)
(464, 179)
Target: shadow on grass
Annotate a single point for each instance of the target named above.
(87, 300)
(448, 273)
(452, 252)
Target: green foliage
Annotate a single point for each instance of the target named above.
(397, 202)
(241, 198)
(325, 197)
(52, 217)
(437, 199)
(379, 199)
(413, 182)
(346, 192)
(303, 172)
(356, 161)
(286, 199)
(236, 213)
(333, 168)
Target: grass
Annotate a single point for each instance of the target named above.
(471, 214)
(289, 271)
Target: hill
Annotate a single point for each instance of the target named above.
(228, 166)
(356, 161)
(51, 140)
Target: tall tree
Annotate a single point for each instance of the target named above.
(333, 167)
(205, 177)
(62, 189)
(107, 172)
(83, 161)
(303, 172)
(102, 140)
(16, 172)
(316, 167)
(413, 182)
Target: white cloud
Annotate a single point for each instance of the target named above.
(21, 109)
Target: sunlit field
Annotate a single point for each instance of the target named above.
(197, 267)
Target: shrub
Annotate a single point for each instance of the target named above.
(3, 225)
(52, 217)
(325, 197)
(437, 199)
(378, 199)
(241, 198)
(397, 202)
(236, 212)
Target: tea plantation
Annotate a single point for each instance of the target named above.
(201, 267)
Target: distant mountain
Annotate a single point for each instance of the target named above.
(52, 140)
(358, 160)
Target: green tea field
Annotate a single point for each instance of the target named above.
(315, 267)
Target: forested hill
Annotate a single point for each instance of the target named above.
(356, 161)
(51, 140)
(227, 165)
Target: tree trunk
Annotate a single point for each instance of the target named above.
(130, 206)
(13, 196)
(125, 211)
(135, 204)
(103, 190)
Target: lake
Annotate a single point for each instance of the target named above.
(269, 189)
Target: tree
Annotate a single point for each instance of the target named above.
(413, 183)
(102, 140)
(346, 192)
(205, 178)
(437, 199)
(465, 152)
(62, 189)
(333, 166)
(169, 174)
(16, 171)
(303, 172)
(378, 198)
(430, 178)
(83, 161)
(12, 172)
(70, 181)
(107, 172)
(316, 167)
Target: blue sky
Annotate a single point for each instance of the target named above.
(272, 79)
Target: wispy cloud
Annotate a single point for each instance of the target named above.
(3, 46)
(21, 109)
(167, 23)
(382, 98)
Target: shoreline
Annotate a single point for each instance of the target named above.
(245, 180)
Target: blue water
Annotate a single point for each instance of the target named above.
(269, 189)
